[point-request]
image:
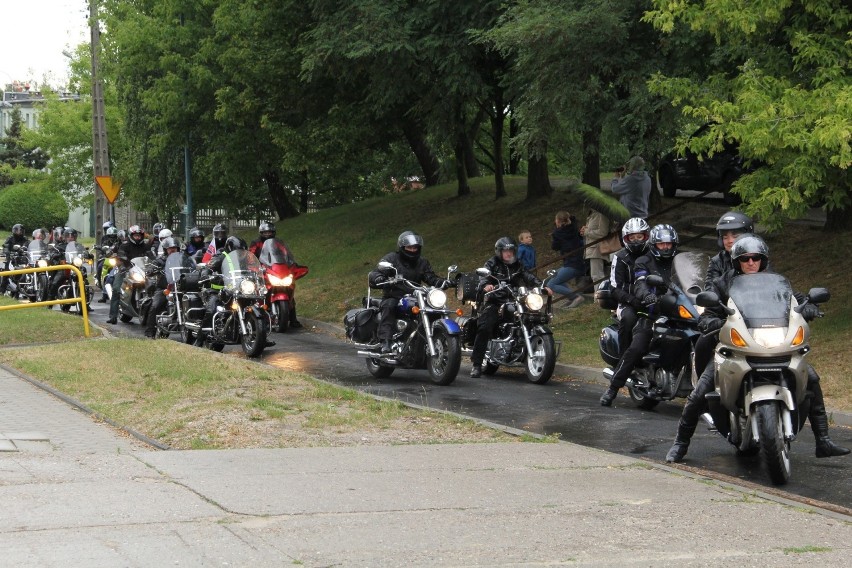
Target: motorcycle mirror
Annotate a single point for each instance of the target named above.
(483, 271)
(707, 300)
(819, 295)
(452, 268)
(16, 247)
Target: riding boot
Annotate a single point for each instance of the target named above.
(200, 337)
(692, 410)
(818, 418)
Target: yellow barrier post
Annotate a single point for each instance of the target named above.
(82, 288)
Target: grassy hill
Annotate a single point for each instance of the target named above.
(341, 245)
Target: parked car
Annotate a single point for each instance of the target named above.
(717, 172)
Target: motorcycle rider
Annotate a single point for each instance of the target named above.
(159, 302)
(634, 236)
(134, 247)
(657, 261)
(217, 243)
(750, 255)
(109, 241)
(505, 266)
(410, 265)
(16, 238)
(195, 246)
(266, 231)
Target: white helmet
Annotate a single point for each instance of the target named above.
(164, 234)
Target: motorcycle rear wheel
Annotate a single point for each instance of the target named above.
(444, 366)
(773, 447)
(254, 340)
(640, 400)
(378, 370)
(542, 361)
(283, 316)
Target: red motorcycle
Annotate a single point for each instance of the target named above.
(280, 272)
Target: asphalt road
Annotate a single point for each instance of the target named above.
(565, 406)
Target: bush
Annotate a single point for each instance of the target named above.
(32, 205)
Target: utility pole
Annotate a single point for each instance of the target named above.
(100, 158)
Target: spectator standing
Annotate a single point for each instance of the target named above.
(632, 185)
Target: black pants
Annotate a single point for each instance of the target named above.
(159, 303)
(626, 321)
(639, 345)
(486, 321)
(55, 282)
(704, 348)
(115, 300)
(387, 323)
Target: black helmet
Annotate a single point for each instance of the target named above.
(635, 226)
(155, 230)
(747, 245)
(409, 239)
(169, 242)
(733, 221)
(135, 230)
(663, 234)
(18, 230)
(69, 232)
(220, 231)
(57, 234)
(233, 243)
(266, 227)
(506, 243)
(196, 233)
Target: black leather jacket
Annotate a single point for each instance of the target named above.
(621, 277)
(417, 271)
(515, 274)
(647, 265)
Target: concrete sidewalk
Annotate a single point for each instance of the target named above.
(76, 492)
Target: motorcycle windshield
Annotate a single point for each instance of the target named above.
(275, 251)
(688, 270)
(176, 264)
(241, 265)
(74, 250)
(763, 299)
(36, 250)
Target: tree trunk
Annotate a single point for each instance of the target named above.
(304, 192)
(837, 221)
(278, 194)
(468, 137)
(461, 170)
(592, 155)
(655, 201)
(497, 119)
(425, 157)
(538, 181)
(514, 157)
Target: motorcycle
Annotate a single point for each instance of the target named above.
(132, 294)
(18, 260)
(172, 320)
(241, 317)
(280, 272)
(34, 285)
(76, 255)
(665, 372)
(523, 337)
(425, 336)
(761, 400)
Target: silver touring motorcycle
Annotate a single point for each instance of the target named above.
(761, 402)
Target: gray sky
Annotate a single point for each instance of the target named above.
(34, 33)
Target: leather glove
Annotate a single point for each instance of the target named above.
(709, 324)
(810, 312)
(379, 280)
(649, 299)
(446, 284)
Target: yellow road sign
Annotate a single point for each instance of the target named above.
(110, 188)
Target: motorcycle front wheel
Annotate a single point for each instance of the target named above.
(444, 366)
(283, 309)
(254, 340)
(186, 335)
(378, 370)
(773, 447)
(542, 360)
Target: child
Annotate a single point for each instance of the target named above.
(526, 252)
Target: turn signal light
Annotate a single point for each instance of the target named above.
(683, 312)
(737, 339)
(459, 312)
(415, 310)
(800, 336)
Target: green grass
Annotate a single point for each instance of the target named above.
(39, 325)
(341, 245)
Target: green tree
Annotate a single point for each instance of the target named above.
(788, 106)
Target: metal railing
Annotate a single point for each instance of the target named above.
(74, 300)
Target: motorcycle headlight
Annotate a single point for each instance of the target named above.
(769, 337)
(78, 262)
(247, 287)
(41, 263)
(276, 281)
(534, 302)
(436, 298)
(111, 261)
(137, 277)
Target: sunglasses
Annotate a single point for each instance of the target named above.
(752, 258)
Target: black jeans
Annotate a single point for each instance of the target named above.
(639, 345)
(486, 321)
(159, 303)
(626, 322)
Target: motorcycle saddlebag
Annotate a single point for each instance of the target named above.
(466, 286)
(603, 296)
(361, 324)
(189, 282)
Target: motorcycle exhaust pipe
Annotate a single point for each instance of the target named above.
(608, 374)
(374, 355)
